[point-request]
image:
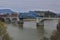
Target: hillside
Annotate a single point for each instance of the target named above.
(6, 11)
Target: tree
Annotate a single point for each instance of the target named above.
(3, 32)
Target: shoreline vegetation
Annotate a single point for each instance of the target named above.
(3, 32)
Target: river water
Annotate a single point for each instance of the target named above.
(30, 31)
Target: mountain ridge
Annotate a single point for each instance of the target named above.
(6, 11)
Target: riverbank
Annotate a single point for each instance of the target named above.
(4, 35)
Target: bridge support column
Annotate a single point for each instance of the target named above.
(20, 22)
(38, 23)
(5, 19)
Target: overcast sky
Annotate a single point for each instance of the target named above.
(27, 5)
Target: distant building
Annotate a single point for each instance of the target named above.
(30, 14)
(58, 15)
(5, 12)
(46, 13)
(23, 15)
(2, 15)
(9, 15)
(13, 17)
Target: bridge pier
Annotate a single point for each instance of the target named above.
(38, 23)
(20, 22)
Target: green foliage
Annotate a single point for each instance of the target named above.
(6, 37)
(3, 31)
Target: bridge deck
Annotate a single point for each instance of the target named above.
(42, 19)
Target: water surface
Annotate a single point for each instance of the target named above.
(28, 32)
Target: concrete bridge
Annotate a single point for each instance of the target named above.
(11, 19)
(41, 21)
(50, 25)
(45, 18)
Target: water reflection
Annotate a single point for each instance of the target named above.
(24, 33)
(40, 31)
(20, 26)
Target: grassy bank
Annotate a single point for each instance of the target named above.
(3, 32)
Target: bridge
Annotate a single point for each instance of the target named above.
(10, 19)
(49, 25)
(45, 18)
(40, 21)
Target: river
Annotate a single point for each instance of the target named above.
(30, 31)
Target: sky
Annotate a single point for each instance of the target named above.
(31, 5)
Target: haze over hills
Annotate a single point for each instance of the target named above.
(11, 11)
(6, 11)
